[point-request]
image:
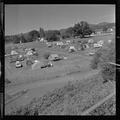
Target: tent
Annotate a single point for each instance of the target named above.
(37, 65)
(97, 45)
(100, 42)
(90, 41)
(86, 46)
(68, 41)
(29, 53)
(42, 39)
(109, 41)
(53, 57)
(59, 43)
(13, 52)
(72, 49)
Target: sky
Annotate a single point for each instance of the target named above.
(24, 18)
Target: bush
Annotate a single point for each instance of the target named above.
(108, 72)
(101, 60)
(96, 59)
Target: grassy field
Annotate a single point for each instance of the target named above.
(39, 81)
(72, 99)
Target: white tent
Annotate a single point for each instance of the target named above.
(13, 52)
(29, 53)
(96, 45)
(68, 41)
(53, 56)
(100, 42)
(42, 39)
(90, 41)
(87, 46)
(72, 48)
(59, 43)
(109, 41)
(37, 65)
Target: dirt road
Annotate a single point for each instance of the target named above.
(38, 89)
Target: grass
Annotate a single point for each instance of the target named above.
(72, 99)
(107, 108)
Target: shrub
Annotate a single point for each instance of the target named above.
(108, 72)
(96, 59)
(107, 69)
(101, 60)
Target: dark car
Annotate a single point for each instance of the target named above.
(47, 65)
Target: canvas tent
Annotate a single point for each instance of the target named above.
(37, 65)
(42, 39)
(86, 46)
(13, 52)
(72, 49)
(90, 41)
(29, 53)
(109, 41)
(96, 45)
(59, 43)
(100, 42)
(68, 41)
(53, 57)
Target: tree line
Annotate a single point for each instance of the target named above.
(81, 29)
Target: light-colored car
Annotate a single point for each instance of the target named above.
(18, 64)
(91, 53)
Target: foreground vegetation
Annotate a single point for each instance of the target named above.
(102, 60)
(107, 108)
(77, 96)
(73, 99)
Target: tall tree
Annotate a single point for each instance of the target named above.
(82, 29)
(105, 28)
(34, 34)
(42, 32)
(52, 35)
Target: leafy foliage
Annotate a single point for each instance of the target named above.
(52, 35)
(82, 29)
(42, 32)
(34, 34)
(102, 60)
(72, 99)
(107, 69)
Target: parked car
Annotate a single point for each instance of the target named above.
(18, 64)
(47, 65)
(91, 53)
(49, 45)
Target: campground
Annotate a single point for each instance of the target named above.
(40, 81)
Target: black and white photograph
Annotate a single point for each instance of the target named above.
(60, 59)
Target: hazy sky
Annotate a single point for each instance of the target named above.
(24, 18)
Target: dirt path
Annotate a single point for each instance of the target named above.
(38, 89)
(79, 76)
